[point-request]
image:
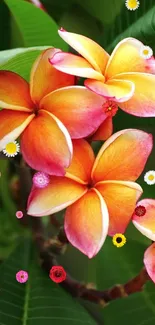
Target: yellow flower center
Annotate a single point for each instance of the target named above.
(11, 148)
(132, 4)
(145, 52)
(109, 108)
(151, 177)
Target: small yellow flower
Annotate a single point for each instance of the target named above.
(146, 52)
(11, 149)
(119, 240)
(132, 4)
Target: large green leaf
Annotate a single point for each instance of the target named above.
(20, 60)
(139, 24)
(104, 10)
(36, 26)
(39, 301)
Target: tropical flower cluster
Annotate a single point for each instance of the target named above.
(57, 120)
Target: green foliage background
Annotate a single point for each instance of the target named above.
(40, 301)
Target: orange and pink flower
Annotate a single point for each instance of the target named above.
(145, 223)
(100, 194)
(122, 78)
(48, 113)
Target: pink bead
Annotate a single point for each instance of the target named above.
(19, 214)
(22, 276)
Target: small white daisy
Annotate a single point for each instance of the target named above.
(132, 4)
(149, 177)
(146, 52)
(11, 149)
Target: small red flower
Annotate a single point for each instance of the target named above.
(57, 274)
(140, 211)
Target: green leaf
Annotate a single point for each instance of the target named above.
(104, 10)
(38, 301)
(36, 26)
(139, 24)
(77, 20)
(20, 60)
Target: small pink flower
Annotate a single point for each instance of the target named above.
(22, 276)
(41, 179)
(19, 214)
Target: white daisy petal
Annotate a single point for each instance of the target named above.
(149, 177)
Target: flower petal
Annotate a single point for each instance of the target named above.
(146, 224)
(14, 92)
(149, 261)
(75, 65)
(12, 125)
(79, 109)
(82, 162)
(46, 144)
(117, 90)
(45, 78)
(120, 198)
(104, 131)
(123, 156)
(86, 223)
(126, 58)
(142, 102)
(56, 196)
(86, 47)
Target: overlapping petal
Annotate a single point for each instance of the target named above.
(146, 223)
(142, 102)
(126, 58)
(79, 109)
(86, 223)
(89, 49)
(46, 144)
(12, 124)
(149, 261)
(104, 131)
(82, 162)
(45, 78)
(75, 65)
(120, 198)
(14, 92)
(117, 90)
(59, 193)
(123, 156)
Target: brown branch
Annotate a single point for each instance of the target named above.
(47, 260)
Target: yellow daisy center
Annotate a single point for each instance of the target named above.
(132, 4)
(11, 148)
(119, 240)
(151, 177)
(145, 52)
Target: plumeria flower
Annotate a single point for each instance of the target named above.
(132, 4)
(47, 114)
(121, 78)
(149, 177)
(146, 225)
(100, 194)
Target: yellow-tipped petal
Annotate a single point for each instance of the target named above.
(86, 223)
(56, 196)
(123, 156)
(120, 198)
(86, 47)
(126, 57)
